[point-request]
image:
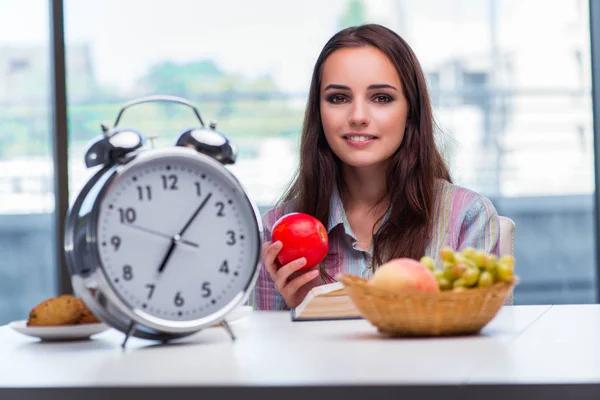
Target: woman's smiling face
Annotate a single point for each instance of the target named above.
(363, 108)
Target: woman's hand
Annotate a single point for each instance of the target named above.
(292, 285)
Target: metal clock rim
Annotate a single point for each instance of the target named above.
(112, 294)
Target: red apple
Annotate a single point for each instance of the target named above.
(405, 274)
(302, 236)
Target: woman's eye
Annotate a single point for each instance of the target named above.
(337, 99)
(382, 98)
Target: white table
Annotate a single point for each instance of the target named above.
(523, 350)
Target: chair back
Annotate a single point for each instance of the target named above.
(507, 236)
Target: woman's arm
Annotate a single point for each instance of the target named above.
(265, 296)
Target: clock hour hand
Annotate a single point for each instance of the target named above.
(165, 259)
(164, 235)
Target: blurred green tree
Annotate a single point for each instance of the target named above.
(354, 14)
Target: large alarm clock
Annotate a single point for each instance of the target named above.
(162, 242)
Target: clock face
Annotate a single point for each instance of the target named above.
(178, 240)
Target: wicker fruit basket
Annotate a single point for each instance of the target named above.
(426, 314)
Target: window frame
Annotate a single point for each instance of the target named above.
(60, 140)
(594, 21)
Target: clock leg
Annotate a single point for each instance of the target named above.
(129, 333)
(225, 325)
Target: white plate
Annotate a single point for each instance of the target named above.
(84, 331)
(64, 332)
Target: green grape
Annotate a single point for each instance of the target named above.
(469, 253)
(444, 284)
(447, 254)
(490, 262)
(505, 272)
(471, 276)
(470, 263)
(508, 260)
(486, 279)
(459, 269)
(428, 262)
(459, 258)
(460, 282)
(448, 271)
(479, 259)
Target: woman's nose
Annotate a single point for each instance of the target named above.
(359, 114)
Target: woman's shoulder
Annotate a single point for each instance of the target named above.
(465, 218)
(458, 203)
(459, 196)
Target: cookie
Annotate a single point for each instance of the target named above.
(87, 317)
(62, 310)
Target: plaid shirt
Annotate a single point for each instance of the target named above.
(462, 218)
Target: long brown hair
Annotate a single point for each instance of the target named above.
(414, 166)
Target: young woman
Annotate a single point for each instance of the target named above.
(370, 171)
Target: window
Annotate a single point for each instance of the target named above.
(18, 65)
(513, 102)
(514, 106)
(27, 266)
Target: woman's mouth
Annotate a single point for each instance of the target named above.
(359, 140)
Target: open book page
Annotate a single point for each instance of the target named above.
(326, 302)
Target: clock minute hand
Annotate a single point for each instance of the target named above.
(200, 207)
(151, 231)
(164, 235)
(177, 237)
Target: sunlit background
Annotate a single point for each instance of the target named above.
(510, 81)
